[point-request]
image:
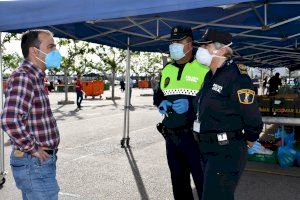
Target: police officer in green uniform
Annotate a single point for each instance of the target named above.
(228, 118)
(180, 82)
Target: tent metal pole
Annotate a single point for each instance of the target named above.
(285, 3)
(266, 14)
(285, 22)
(275, 50)
(125, 140)
(115, 30)
(252, 45)
(157, 28)
(268, 51)
(2, 172)
(213, 24)
(268, 46)
(257, 36)
(292, 36)
(141, 27)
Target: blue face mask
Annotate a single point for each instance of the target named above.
(52, 60)
(176, 51)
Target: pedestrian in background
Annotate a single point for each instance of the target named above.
(274, 82)
(122, 85)
(79, 91)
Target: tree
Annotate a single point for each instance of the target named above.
(74, 50)
(111, 60)
(11, 61)
(153, 63)
(136, 63)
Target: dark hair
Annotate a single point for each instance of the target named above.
(31, 39)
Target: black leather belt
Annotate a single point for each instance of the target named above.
(212, 137)
(179, 130)
(51, 151)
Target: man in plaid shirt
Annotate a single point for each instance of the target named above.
(28, 120)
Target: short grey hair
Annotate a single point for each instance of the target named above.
(229, 52)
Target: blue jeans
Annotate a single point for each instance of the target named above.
(36, 180)
(79, 98)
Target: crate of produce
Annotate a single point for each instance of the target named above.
(265, 105)
(264, 158)
(283, 107)
(297, 107)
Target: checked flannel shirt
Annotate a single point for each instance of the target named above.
(27, 117)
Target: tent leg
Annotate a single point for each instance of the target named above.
(125, 140)
(2, 172)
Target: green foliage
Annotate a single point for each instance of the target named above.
(112, 60)
(11, 61)
(74, 61)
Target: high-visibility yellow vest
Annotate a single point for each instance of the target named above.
(191, 80)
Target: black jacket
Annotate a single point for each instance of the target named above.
(227, 102)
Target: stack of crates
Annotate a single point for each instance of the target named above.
(265, 105)
(281, 105)
(284, 105)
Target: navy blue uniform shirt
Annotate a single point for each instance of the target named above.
(227, 102)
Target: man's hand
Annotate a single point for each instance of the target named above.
(250, 144)
(163, 106)
(180, 106)
(41, 154)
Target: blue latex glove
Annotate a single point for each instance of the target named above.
(180, 106)
(163, 106)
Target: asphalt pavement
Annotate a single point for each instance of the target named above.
(93, 166)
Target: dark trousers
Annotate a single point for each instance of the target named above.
(223, 166)
(79, 98)
(184, 159)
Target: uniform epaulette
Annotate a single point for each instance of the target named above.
(243, 69)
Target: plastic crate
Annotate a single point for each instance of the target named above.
(264, 158)
(265, 105)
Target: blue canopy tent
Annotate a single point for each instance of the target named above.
(78, 17)
(265, 32)
(261, 31)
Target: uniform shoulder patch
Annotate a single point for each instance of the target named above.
(246, 96)
(167, 81)
(242, 68)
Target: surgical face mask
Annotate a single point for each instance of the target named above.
(204, 57)
(176, 51)
(52, 59)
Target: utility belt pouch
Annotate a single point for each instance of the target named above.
(162, 129)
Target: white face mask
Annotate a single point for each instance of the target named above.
(204, 57)
(176, 50)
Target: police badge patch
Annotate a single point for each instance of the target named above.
(246, 96)
(167, 81)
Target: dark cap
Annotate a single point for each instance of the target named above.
(180, 32)
(214, 35)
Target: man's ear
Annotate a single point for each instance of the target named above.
(222, 51)
(33, 51)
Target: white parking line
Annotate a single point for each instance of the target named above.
(68, 194)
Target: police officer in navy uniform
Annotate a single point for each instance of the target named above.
(179, 84)
(228, 119)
